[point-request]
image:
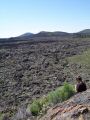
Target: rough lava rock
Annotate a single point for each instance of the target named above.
(30, 70)
(76, 108)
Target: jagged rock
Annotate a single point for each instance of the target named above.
(73, 109)
(28, 70)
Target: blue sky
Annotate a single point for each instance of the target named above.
(21, 16)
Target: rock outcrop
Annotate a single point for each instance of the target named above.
(76, 108)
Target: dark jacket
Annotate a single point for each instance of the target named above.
(80, 87)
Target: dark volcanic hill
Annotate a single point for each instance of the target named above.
(42, 36)
(86, 31)
(45, 36)
(26, 34)
(82, 34)
(50, 34)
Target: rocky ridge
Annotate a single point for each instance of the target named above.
(76, 108)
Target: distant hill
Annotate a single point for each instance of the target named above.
(50, 34)
(42, 34)
(26, 34)
(46, 36)
(56, 33)
(82, 34)
(86, 31)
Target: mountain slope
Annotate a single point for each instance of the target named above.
(82, 34)
(26, 34)
(50, 34)
(86, 31)
(46, 36)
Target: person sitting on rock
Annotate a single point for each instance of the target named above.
(80, 86)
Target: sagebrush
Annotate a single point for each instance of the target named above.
(59, 95)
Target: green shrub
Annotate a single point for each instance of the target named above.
(66, 92)
(35, 107)
(59, 95)
(1, 116)
(54, 97)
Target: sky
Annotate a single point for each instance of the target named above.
(21, 16)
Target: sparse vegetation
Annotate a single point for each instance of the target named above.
(35, 107)
(1, 116)
(83, 59)
(59, 95)
(80, 65)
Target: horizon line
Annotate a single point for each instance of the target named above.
(41, 31)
